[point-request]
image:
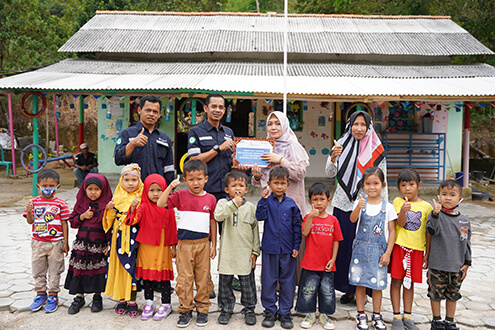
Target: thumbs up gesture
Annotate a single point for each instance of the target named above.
(362, 202)
(87, 215)
(110, 205)
(437, 207)
(141, 139)
(406, 207)
(135, 202)
(174, 184)
(265, 193)
(337, 150)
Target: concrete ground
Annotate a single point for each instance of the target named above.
(476, 310)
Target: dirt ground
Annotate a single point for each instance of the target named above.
(16, 189)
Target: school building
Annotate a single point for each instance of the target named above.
(398, 68)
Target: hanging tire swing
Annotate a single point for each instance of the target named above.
(43, 164)
(37, 114)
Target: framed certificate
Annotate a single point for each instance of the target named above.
(248, 151)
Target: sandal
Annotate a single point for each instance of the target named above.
(132, 310)
(121, 308)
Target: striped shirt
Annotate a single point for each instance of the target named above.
(48, 216)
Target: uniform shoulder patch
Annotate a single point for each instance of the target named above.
(119, 141)
(192, 139)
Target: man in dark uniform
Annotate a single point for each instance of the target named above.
(145, 144)
(213, 143)
(85, 162)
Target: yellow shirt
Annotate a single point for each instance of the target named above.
(413, 234)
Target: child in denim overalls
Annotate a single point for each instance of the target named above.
(375, 238)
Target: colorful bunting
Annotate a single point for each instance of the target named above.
(469, 105)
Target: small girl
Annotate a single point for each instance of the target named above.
(408, 256)
(121, 282)
(88, 261)
(157, 239)
(375, 238)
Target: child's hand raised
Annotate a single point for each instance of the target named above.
(110, 205)
(29, 207)
(362, 202)
(266, 193)
(135, 202)
(437, 207)
(238, 199)
(314, 211)
(174, 184)
(406, 207)
(87, 215)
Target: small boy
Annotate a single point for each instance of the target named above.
(408, 255)
(239, 248)
(280, 246)
(48, 215)
(449, 254)
(195, 227)
(323, 234)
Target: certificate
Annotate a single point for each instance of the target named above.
(248, 151)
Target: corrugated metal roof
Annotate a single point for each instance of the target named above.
(176, 34)
(252, 68)
(333, 80)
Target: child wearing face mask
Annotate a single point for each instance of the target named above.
(88, 261)
(48, 215)
(157, 239)
(121, 281)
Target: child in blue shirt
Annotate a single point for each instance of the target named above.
(280, 247)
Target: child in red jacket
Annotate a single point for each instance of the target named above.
(157, 239)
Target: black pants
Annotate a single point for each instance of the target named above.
(164, 287)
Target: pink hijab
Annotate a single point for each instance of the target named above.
(287, 145)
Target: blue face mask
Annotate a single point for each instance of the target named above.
(48, 191)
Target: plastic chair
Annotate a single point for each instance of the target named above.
(6, 163)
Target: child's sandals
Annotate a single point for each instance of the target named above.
(121, 308)
(132, 310)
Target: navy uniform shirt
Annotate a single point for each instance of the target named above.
(81, 161)
(282, 228)
(156, 156)
(201, 139)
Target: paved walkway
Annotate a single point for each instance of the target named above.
(475, 310)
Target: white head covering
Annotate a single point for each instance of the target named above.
(287, 145)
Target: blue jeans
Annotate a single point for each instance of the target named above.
(80, 174)
(313, 286)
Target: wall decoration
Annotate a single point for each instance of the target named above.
(402, 117)
(262, 125)
(322, 123)
(325, 151)
(312, 152)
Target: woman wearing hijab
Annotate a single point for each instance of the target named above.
(88, 261)
(290, 154)
(357, 149)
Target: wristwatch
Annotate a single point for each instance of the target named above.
(216, 147)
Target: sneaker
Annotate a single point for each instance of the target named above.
(269, 320)
(121, 308)
(224, 317)
(184, 319)
(147, 312)
(438, 325)
(201, 319)
(132, 310)
(398, 324)
(286, 321)
(76, 305)
(97, 304)
(236, 285)
(451, 326)
(38, 302)
(163, 311)
(213, 295)
(346, 298)
(361, 322)
(377, 322)
(409, 324)
(326, 322)
(250, 318)
(308, 321)
(51, 304)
